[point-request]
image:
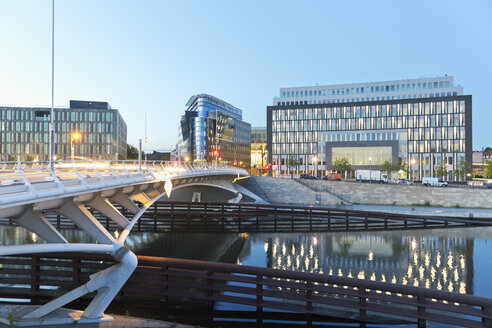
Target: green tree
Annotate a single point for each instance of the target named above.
(488, 150)
(388, 167)
(131, 152)
(342, 165)
(441, 170)
(292, 163)
(489, 169)
(462, 170)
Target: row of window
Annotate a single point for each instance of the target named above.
(439, 107)
(412, 134)
(415, 146)
(23, 137)
(347, 100)
(21, 126)
(372, 89)
(45, 115)
(421, 121)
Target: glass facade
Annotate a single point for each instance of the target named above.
(24, 132)
(209, 125)
(362, 155)
(259, 154)
(429, 87)
(429, 131)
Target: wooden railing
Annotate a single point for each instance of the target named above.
(244, 217)
(160, 281)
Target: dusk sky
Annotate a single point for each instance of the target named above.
(154, 55)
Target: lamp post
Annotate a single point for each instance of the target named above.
(73, 137)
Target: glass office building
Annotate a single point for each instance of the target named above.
(212, 129)
(422, 132)
(100, 130)
(426, 87)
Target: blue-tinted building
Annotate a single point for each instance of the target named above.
(210, 128)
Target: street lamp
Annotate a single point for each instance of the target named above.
(413, 163)
(75, 136)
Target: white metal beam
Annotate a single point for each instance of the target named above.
(85, 220)
(106, 208)
(37, 223)
(140, 196)
(125, 201)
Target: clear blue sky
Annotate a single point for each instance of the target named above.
(153, 55)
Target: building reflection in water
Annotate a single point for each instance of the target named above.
(438, 262)
(443, 262)
(11, 235)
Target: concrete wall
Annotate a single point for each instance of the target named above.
(392, 194)
(289, 191)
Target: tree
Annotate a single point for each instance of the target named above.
(131, 152)
(462, 170)
(292, 162)
(441, 170)
(489, 169)
(388, 167)
(488, 150)
(342, 165)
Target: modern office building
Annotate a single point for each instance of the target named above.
(372, 91)
(95, 130)
(213, 130)
(422, 132)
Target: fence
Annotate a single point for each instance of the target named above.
(161, 281)
(244, 217)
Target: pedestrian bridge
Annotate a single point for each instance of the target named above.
(120, 190)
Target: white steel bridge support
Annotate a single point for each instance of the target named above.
(91, 187)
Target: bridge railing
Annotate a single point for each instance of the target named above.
(161, 282)
(37, 178)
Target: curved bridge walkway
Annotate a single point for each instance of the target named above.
(29, 189)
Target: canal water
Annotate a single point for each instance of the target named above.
(455, 260)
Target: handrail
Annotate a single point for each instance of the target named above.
(247, 217)
(68, 177)
(159, 281)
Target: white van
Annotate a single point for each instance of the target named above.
(426, 181)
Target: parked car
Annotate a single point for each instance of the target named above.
(427, 181)
(332, 176)
(405, 182)
(307, 177)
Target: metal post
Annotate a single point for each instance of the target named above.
(71, 148)
(52, 114)
(139, 155)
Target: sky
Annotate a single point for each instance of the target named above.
(152, 56)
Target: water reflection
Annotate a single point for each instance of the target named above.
(12, 235)
(443, 262)
(456, 260)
